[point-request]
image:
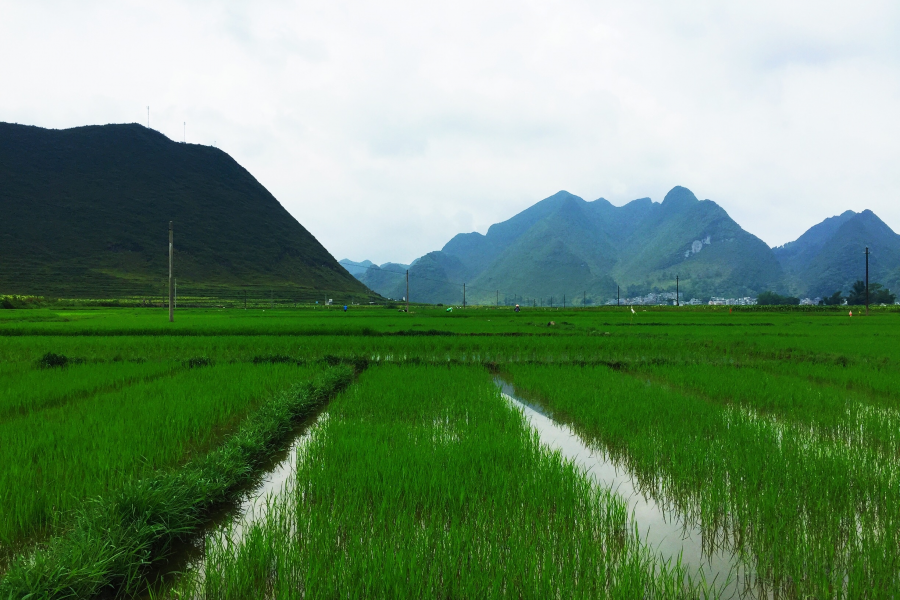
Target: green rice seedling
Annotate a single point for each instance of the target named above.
(831, 411)
(31, 389)
(57, 457)
(423, 482)
(813, 515)
(117, 539)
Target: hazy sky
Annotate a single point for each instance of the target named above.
(387, 127)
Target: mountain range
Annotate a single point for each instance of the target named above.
(86, 213)
(587, 252)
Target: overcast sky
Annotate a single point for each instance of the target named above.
(386, 127)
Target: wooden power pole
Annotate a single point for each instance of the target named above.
(407, 291)
(171, 281)
(867, 281)
(464, 295)
(677, 303)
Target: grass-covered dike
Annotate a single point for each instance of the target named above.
(116, 541)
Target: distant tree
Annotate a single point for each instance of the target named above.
(834, 299)
(878, 294)
(857, 295)
(774, 299)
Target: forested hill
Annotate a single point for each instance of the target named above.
(86, 212)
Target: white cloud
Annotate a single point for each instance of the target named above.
(386, 128)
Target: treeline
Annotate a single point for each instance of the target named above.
(878, 294)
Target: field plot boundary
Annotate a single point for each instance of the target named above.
(116, 542)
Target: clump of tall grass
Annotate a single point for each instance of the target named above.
(52, 360)
(197, 361)
(116, 540)
(273, 359)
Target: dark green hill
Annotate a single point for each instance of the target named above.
(564, 246)
(831, 255)
(86, 213)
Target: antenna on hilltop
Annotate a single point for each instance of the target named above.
(148, 117)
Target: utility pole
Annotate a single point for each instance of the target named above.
(617, 295)
(498, 297)
(464, 295)
(677, 303)
(407, 291)
(171, 281)
(867, 281)
(148, 117)
(564, 302)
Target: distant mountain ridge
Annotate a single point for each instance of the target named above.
(86, 213)
(566, 246)
(829, 257)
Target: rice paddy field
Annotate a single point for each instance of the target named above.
(598, 453)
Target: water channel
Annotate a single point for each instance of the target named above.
(664, 531)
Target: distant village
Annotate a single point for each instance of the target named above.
(668, 299)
